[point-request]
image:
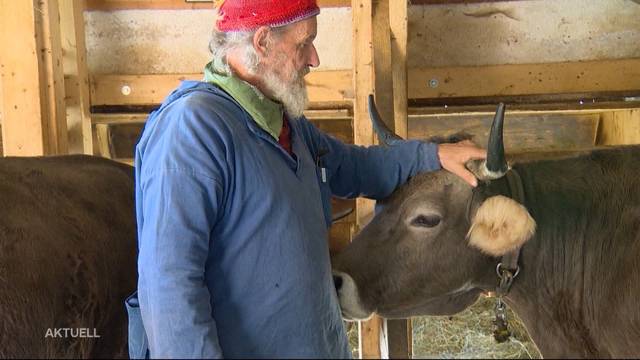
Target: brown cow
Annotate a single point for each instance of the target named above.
(67, 257)
(435, 245)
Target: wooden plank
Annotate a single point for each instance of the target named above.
(324, 87)
(533, 132)
(105, 145)
(33, 97)
(372, 339)
(76, 75)
(134, 89)
(399, 332)
(1, 112)
(363, 84)
(318, 117)
(400, 340)
(119, 119)
(527, 79)
(335, 88)
(387, 69)
(398, 21)
(619, 128)
(53, 83)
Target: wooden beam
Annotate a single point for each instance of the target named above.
(1, 109)
(140, 118)
(390, 60)
(76, 76)
(619, 128)
(324, 87)
(53, 83)
(34, 115)
(526, 79)
(363, 84)
(398, 21)
(105, 145)
(336, 88)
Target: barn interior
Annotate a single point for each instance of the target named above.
(81, 76)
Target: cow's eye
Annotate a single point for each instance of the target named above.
(426, 221)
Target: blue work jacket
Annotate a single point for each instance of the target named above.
(233, 255)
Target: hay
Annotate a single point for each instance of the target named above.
(467, 335)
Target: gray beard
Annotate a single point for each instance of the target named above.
(292, 95)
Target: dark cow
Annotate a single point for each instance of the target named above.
(67, 257)
(435, 245)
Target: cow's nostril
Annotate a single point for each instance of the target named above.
(337, 281)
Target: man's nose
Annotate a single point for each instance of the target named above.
(314, 59)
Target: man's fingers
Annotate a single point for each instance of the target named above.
(467, 176)
(477, 153)
(472, 150)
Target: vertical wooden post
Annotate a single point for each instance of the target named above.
(1, 114)
(363, 85)
(399, 332)
(34, 120)
(76, 76)
(399, 20)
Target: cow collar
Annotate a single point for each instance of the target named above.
(510, 260)
(508, 268)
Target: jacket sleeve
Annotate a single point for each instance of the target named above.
(181, 186)
(175, 303)
(373, 172)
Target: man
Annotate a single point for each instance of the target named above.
(233, 190)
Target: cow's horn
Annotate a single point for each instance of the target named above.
(496, 163)
(385, 135)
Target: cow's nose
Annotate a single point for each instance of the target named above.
(337, 282)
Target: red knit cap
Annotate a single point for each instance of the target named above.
(247, 15)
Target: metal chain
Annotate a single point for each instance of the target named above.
(501, 324)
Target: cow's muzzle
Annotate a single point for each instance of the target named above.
(350, 303)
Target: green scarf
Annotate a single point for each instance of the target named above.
(264, 111)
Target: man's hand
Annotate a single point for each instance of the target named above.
(454, 156)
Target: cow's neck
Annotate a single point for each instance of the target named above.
(564, 290)
(547, 297)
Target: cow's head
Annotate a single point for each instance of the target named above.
(433, 243)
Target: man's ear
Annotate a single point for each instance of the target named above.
(261, 41)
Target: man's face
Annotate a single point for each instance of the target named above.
(293, 51)
(289, 59)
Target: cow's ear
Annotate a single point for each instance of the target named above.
(500, 225)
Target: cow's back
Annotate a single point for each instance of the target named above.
(67, 256)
